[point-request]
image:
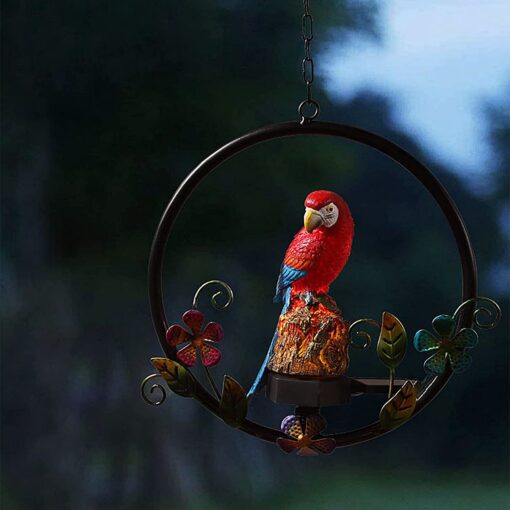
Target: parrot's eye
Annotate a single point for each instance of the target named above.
(329, 214)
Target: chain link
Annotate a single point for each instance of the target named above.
(307, 68)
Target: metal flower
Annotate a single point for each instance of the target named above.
(448, 346)
(199, 339)
(303, 440)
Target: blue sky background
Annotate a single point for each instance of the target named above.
(440, 61)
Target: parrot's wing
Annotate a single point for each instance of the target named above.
(300, 258)
(288, 275)
(255, 386)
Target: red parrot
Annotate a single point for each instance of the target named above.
(316, 255)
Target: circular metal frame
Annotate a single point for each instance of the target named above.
(292, 129)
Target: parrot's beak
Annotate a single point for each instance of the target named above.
(313, 219)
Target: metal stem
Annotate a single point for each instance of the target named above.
(212, 383)
(392, 382)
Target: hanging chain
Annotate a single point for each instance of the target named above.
(308, 104)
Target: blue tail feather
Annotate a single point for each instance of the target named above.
(262, 371)
(255, 386)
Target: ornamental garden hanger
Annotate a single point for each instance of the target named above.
(307, 358)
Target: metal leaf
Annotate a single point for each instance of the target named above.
(233, 403)
(399, 408)
(392, 343)
(179, 379)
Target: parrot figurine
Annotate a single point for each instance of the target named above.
(311, 336)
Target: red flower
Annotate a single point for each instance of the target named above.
(199, 340)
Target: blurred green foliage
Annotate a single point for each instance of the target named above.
(107, 106)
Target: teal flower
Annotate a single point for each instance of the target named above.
(447, 345)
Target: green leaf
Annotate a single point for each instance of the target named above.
(392, 343)
(233, 403)
(178, 378)
(399, 408)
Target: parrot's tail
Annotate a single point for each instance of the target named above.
(262, 372)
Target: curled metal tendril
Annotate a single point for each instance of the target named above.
(214, 298)
(493, 313)
(364, 334)
(146, 392)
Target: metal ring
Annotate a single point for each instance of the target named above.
(286, 130)
(308, 118)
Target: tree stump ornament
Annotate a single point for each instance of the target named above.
(307, 361)
(311, 339)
